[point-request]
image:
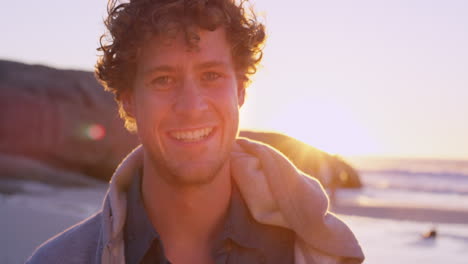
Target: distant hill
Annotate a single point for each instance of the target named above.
(64, 119)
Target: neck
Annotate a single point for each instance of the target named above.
(186, 217)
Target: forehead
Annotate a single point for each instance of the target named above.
(176, 51)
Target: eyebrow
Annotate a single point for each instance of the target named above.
(204, 65)
(161, 68)
(211, 64)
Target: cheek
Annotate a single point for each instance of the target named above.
(229, 95)
(230, 106)
(228, 102)
(148, 111)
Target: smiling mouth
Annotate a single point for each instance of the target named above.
(192, 135)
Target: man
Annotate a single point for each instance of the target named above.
(192, 192)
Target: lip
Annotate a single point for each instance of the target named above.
(211, 135)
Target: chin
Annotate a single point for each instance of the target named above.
(194, 175)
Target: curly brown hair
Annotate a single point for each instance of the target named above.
(130, 24)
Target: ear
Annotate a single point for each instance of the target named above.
(127, 103)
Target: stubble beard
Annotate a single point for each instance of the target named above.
(188, 177)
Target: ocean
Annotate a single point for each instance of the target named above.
(403, 200)
(419, 183)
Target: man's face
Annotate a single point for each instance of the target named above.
(186, 104)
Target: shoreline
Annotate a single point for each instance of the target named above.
(400, 213)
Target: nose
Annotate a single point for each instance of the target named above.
(190, 100)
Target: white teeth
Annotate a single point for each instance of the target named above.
(194, 135)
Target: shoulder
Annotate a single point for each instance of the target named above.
(77, 244)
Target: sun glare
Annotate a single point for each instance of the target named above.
(331, 128)
(326, 125)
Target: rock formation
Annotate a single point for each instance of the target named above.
(330, 170)
(62, 118)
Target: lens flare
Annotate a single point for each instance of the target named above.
(95, 132)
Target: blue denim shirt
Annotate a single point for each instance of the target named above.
(242, 239)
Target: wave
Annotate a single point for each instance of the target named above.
(411, 173)
(427, 166)
(436, 182)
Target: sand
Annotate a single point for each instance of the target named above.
(30, 217)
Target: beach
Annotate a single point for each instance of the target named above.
(389, 219)
(39, 211)
(30, 218)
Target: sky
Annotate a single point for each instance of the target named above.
(362, 77)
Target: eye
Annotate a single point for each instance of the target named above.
(162, 82)
(210, 76)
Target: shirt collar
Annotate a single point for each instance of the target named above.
(139, 231)
(239, 226)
